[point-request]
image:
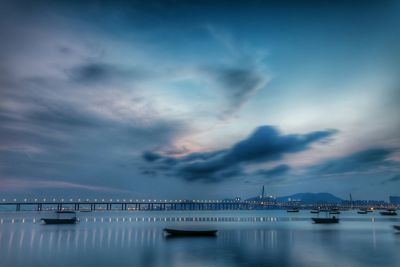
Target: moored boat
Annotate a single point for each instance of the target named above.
(396, 227)
(293, 210)
(362, 212)
(181, 232)
(61, 218)
(389, 212)
(325, 220)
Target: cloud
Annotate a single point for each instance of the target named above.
(393, 179)
(362, 161)
(265, 144)
(240, 77)
(95, 72)
(239, 84)
(274, 172)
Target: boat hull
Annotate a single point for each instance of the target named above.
(176, 232)
(325, 220)
(59, 221)
(388, 213)
(397, 227)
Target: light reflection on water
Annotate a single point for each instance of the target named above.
(244, 239)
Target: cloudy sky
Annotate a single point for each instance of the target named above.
(199, 99)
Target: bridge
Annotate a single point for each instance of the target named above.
(150, 205)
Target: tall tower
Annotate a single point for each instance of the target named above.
(351, 202)
(262, 193)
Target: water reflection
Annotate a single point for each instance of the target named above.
(121, 240)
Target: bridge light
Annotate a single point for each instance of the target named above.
(62, 200)
(4, 200)
(35, 199)
(54, 200)
(25, 199)
(102, 200)
(87, 200)
(70, 199)
(15, 199)
(95, 200)
(44, 200)
(79, 200)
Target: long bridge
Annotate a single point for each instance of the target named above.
(150, 205)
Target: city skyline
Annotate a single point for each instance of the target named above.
(199, 99)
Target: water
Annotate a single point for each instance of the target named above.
(245, 238)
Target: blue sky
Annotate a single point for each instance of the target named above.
(199, 99)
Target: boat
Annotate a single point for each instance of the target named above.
(397, 227)
(389, 212)
(362, 212)
(314, 211)
(293, 210)
(61, 219)
(326, 220)
(180, 232)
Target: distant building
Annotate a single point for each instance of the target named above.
(394, 200)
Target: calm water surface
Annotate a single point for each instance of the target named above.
(245, 238)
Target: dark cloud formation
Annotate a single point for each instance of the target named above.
(94, 72)
(238, 84)
(361, 161)
(393, 179)
(279, 170)
(265, 144)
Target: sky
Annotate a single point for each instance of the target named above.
(199, 99)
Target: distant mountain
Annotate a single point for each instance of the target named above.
(311, 198)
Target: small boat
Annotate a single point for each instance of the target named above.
(293, 210)
(179, 232)
(396, 227)
(60, 219)
(389, 212)
(314, 211)
(326, 220)
(362, 212)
